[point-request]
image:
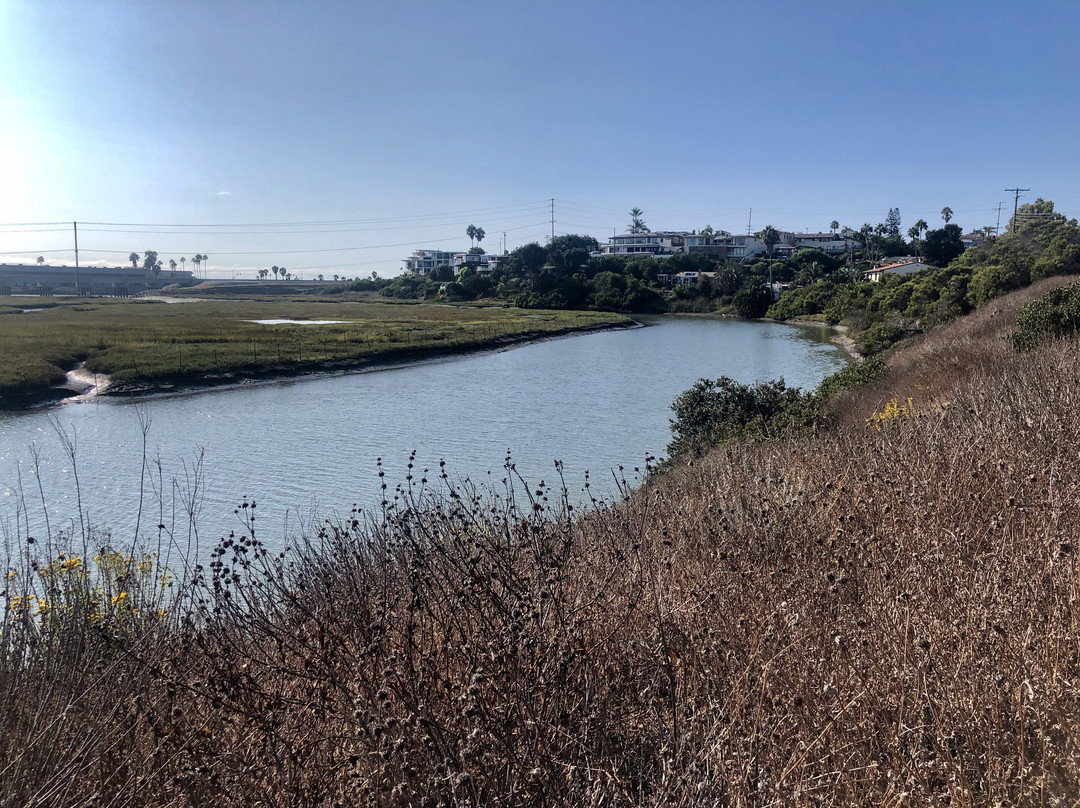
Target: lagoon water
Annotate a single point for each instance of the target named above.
(306, 449)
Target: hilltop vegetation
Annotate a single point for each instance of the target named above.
(563, 275)
(881, 613)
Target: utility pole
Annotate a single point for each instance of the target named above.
(997, 227)
(552, 219)
(750, 223)
(78, 290)
(1016, 200)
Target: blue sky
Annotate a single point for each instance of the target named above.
(216, 122)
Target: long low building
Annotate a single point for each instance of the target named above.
(43, 279)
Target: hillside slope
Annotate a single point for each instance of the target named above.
(884, 613)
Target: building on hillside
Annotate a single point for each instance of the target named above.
(830, 243)
(973, 239)
(43, 279)
(905, 267)
(659, 244)
(483, 263)
(422, 262)
(714, 245)
(688, 278)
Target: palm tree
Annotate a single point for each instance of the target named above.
(183, 263)
(913, 234)
(274, 269)
(470, 231)
(204, 258)
(707, 230)
(479, 234)
(41, 260)
(172, 266)
(946, 214)
(197, 261)
(284, 275)
(834, 226)
(134, 259)
(637, 224)
(769, 236)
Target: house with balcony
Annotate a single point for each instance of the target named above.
(423, 262)
(659, 244)
(830, 243)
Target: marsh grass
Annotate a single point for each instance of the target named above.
(868, 616)
(145, 341)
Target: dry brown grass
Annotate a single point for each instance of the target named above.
(874, 616)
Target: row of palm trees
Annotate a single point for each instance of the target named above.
(198, 261)
(284, 273)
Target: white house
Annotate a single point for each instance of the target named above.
(830, 243)
(422, 262)
(900, 268)
(659, 244)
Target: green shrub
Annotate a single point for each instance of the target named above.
(1055, 314)
(878, 337)
(855, 375)
(712, 413)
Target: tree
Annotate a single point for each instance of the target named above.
(134, 259)
(284, 275)
(183, 263)
(470, 231)
(275, 270)
(205, 258)
(172, 264)
(946, 214)
(834, 226)
(892, 222)
(637, 224)
(197, 260)
(913, 234)
(942, 246)
(263, 273)
(707, 230)
(753, 299)
(479, 234)
(41, 260)
(769, 236)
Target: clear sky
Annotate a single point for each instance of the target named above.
(383, 127)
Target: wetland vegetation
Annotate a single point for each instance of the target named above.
(149, 343)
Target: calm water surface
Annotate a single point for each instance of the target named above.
(309, 447)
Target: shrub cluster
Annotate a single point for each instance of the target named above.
(1055, 314)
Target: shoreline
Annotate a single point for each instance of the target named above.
(840, 332)
(82, 385)
(840, 336)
